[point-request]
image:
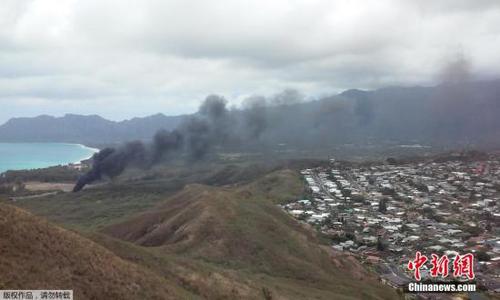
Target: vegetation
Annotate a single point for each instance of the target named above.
(381, 246)
(40, 255)
(134, 192)
(382, 205)
(483, 256)
(51, 174)
(228, 240)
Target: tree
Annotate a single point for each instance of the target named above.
(483, 256)
(380, 244)
(382, 205)
(429, 212)
(422, 187)
(346, 192)
(388, 191)
(473, 230)
(303, 217)
(358, 198)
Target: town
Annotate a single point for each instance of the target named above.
(384, 213)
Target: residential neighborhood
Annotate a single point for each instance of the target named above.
(384, 213)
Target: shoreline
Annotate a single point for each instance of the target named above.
(87, 156)
(93, 150)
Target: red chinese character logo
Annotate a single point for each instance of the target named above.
(464, 265)
(439, 265)
(417, 264)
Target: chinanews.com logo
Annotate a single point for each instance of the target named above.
(455, 274)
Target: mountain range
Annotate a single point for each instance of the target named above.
(73, 128)
(448, 114)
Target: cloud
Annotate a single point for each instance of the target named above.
(168, 55)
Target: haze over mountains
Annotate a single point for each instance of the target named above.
(448, 114)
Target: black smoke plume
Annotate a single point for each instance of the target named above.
(212, 126)
(192, 139)
(255, 116)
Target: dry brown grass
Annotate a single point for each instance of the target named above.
(225, 242)
(35, 254)
(246, 243)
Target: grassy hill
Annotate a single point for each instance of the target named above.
(215, 232)
(242, 235)
(35, 254)
(140, 190)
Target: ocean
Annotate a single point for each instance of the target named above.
(21, 156)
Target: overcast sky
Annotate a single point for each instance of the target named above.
(128, 58)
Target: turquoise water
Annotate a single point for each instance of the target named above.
(20, 156)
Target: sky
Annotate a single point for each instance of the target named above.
(127, 58)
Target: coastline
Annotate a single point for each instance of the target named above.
(88, 152)
(93, 151)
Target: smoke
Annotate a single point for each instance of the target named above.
(111, 162)
(454, 106)
(287, 97)
(255, 116)
(363, 109)
(214, 108)
(197, 135)
(164, 143)
(213, 111)
(456, 71)
(212, 125)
